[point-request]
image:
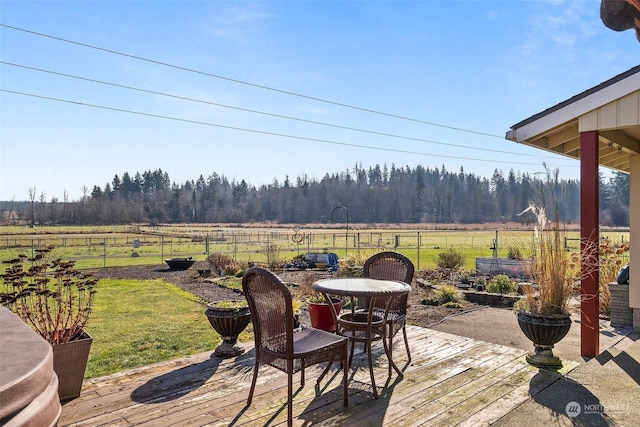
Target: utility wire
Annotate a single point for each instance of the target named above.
(263, 112)
(303, 138)
(191, 70)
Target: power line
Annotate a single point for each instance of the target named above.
(262, 112)
(286, 92)
(303, 138)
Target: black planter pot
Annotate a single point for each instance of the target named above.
(180, 263)
(544, 331)
(229, 322)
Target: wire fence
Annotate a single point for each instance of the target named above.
(153, 245)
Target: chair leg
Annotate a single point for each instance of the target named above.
(406, 341)
(326, 370)
(389, 350)
(290, 392)
(373, 379)
(390, 344)
(253, 381)
(345, 379)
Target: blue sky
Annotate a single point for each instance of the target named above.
(449, 77)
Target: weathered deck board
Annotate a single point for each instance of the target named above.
(451, 380)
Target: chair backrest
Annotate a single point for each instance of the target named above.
(390, 266)
(271, 310)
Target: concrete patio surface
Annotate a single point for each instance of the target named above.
(605, 391)
(600, 391)
(500, 326)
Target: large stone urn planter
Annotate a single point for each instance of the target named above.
(228, 318)
(544, 331)
(69, 363)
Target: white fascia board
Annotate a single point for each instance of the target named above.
(575, 109)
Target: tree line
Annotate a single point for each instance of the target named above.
(371, 195)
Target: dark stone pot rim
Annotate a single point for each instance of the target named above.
(555, 316)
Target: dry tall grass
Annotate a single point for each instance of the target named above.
(610, 261)
(554, 273)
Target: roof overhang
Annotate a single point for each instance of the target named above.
(612, 108)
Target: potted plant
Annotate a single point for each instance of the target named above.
(320, 315)
(228, 318)
(55, 300)
(544, 313)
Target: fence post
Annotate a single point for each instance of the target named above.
(105, 253)
(419, 244)
(235, 246)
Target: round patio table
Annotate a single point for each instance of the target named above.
(363, 322)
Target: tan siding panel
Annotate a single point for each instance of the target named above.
(629, 110)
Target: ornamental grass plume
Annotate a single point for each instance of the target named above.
(554, 273)
(557, 274)
(50, 296)
(553, 270)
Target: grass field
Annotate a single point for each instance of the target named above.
(97, 247)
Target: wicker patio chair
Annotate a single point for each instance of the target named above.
(277, 344)
(391, 266)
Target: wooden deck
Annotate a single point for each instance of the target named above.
(452, 380)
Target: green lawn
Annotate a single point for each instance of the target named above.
(139, 322)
